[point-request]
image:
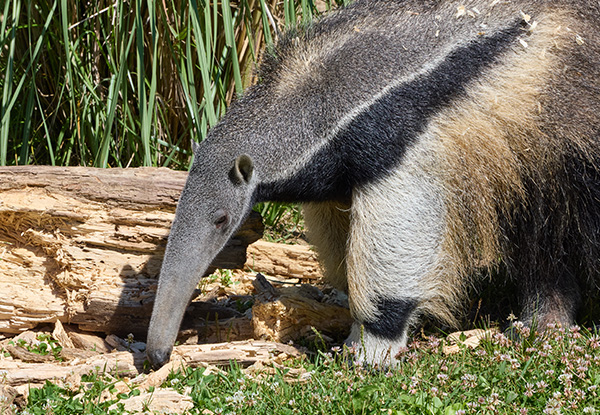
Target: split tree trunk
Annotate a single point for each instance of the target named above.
(85, 245)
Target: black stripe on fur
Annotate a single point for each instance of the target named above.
(376, 140)
(393, 318)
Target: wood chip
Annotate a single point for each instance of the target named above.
(161, 401)
(61, 336)
(264, 288)
(295, 313)
(472, 339)
(7, 397)
(88, 341)
(25, 355)
(244, 353)
(157, 378)
(70, 353)
(288, 261)
(17, 373)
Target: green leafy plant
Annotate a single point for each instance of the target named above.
(44, 345)
(226, 277)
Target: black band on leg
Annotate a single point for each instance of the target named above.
(393, 317)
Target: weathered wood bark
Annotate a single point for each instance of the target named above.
(291, 313)
(85, 245)
(289, 261)
(160, 401)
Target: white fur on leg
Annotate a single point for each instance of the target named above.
(327, 226)
(373, 350)
(396, 233)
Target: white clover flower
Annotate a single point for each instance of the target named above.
(469, 380)
(565, 378)
(529, 390)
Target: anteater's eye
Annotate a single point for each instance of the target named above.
(221, 218)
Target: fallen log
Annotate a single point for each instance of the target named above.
(120, 364)
(85, 245)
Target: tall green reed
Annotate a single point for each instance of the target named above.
(126, 83)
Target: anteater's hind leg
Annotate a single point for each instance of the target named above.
(327, 224)
(550, 299)
(544, 257)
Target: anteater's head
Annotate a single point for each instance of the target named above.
(216, 199)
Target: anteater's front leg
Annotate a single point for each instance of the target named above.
(395, 258)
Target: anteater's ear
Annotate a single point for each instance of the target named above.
(242, 170)
(195, 146)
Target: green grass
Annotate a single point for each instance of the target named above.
(557, 373)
